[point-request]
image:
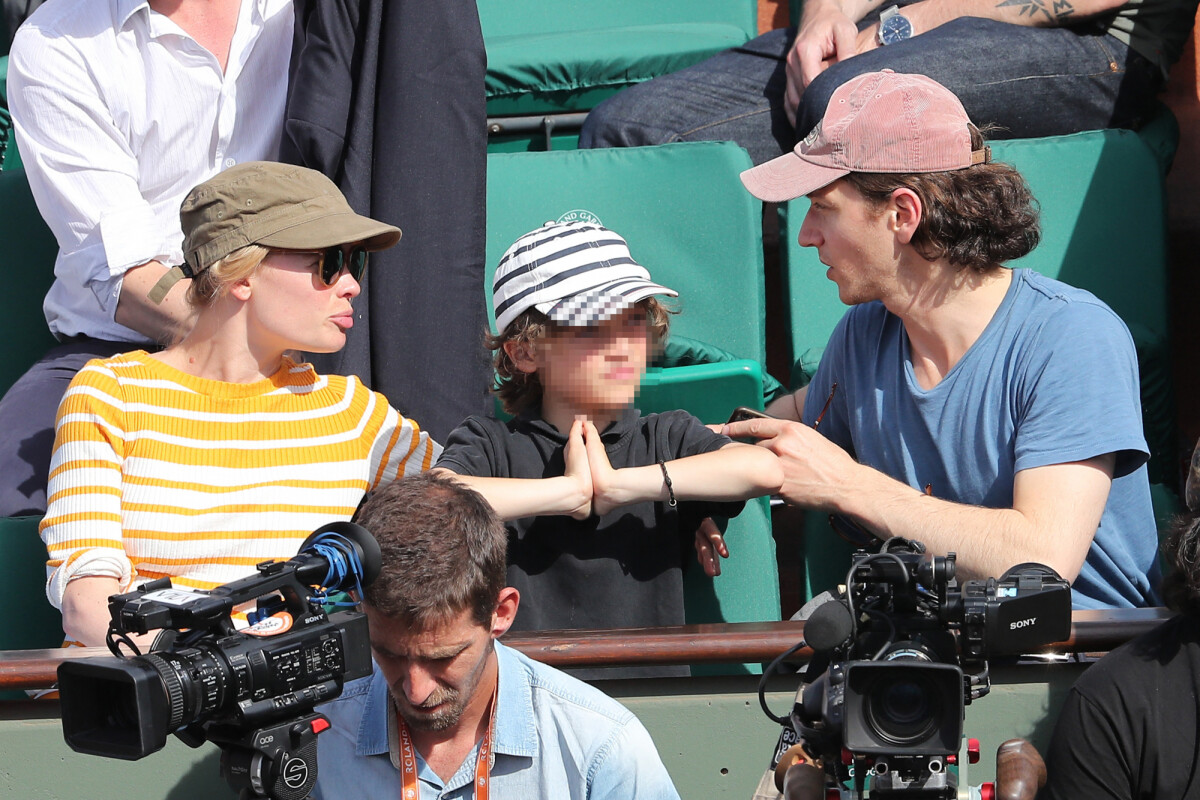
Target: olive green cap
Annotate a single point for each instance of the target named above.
(274, 205)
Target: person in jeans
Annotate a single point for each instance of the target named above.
(1028, 67)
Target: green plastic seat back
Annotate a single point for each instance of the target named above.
(748, 587)
(10, 157)
(725, 386)
(680, 206)
(1103, 229)
(567, 56)
(29, 253)
(32, 623)
(688, 220)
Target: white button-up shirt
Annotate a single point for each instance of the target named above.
(118, 114)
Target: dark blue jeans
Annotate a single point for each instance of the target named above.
(1028, 81)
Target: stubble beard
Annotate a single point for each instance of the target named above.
(422, 718)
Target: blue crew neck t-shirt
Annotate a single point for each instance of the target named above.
(1052, 379)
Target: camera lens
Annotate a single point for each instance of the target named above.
(904, 711)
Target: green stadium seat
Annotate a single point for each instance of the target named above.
(556, 61)
(31, 623)
(711, 391)
(682, 209)
(10, 157)
(1103, 229)
(30, 251)
(690, 222)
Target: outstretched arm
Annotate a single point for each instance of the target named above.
(514, 498)
(735, 472)
(1056, 509)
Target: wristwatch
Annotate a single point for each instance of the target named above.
(893, 27)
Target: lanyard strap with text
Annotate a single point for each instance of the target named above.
(410, 788)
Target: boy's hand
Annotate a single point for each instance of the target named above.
(710, 547)
(605, 492)
(575, 456)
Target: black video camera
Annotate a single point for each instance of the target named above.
(900, 654)
(250, 691)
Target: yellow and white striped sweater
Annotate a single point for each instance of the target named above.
(160, 473)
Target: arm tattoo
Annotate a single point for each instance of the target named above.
(1053, 10)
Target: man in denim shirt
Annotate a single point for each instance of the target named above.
(450, 712)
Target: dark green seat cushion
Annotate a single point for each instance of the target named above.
(569, 55)
(556, 72)
(29, 252)
(31, 623)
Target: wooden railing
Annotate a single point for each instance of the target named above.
(1091, 631)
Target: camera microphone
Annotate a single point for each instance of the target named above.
(829, 626)
(339, 556)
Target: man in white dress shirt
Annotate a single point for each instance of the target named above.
(120, 108)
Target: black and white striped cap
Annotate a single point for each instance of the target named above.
(576, 273)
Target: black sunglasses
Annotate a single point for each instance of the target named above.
(332, 260)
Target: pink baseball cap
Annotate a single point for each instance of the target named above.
(877, 122)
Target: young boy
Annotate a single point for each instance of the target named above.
(601, 503)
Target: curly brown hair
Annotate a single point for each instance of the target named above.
(978, 218)
(520, 391)
(1181, 584)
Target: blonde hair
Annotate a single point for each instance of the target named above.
(215, 282)
(520, 391)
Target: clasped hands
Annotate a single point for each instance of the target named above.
(600, 487)
(603, 488)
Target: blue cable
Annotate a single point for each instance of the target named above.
(344, 563)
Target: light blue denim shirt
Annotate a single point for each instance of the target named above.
(556, 738)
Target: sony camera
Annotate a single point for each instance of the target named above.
(251, 691)
(901, 653)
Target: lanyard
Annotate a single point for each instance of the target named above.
(410, 788)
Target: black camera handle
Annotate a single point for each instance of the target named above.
(278, 762)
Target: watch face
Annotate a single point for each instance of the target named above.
(895, 28)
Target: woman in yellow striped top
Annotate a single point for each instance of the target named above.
(221, 451)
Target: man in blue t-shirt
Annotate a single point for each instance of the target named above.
(990, 412)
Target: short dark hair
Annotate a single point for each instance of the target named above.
(520, 391)
(1181, 586)
(977, 217)
(444, 551)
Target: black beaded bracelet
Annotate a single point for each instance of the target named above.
(667, 481)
